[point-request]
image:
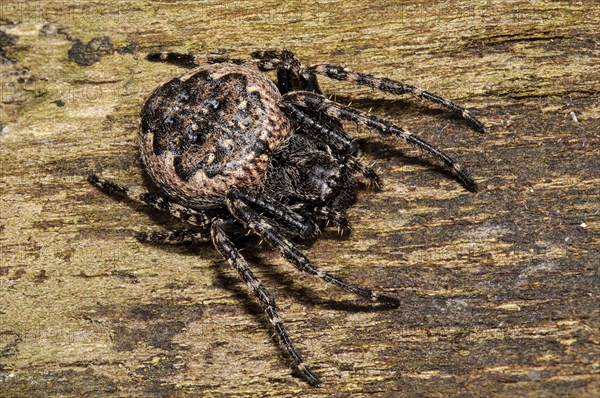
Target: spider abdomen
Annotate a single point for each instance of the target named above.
(211, 129)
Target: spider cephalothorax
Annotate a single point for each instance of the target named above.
(231, 151)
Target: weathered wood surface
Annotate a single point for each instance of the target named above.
(499, 288)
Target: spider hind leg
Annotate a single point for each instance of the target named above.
(190, 60)
(190, 216)
(174, 237)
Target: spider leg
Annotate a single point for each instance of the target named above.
(339, 219)
(190, 60)
(235, 259)
(284, 62)
(175, 237)
(297, 224)
(288, 67)
(367, 172)
(335, 216)
(393, 87)
(335, 137)
(341, 112)
(190, 216)
(331, 136)
(261, 226)
(325, 213)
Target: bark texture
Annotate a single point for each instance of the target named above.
(499, 289)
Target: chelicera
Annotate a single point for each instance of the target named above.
(232, 152)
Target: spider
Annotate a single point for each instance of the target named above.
(230, 151)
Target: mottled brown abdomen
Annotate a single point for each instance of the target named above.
(211, 129)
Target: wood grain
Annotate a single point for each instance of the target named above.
(499, 289)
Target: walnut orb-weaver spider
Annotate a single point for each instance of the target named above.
(230, 151)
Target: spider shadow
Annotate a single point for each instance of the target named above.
(381, 149)
(384, 152)
(271, 276)
(395, 107)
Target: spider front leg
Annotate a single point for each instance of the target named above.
(367, 172)
(333, 136)
(393, 87)
(264, 229)
(297, 225)
(340, 112)
(324, 213)
(235, 259)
